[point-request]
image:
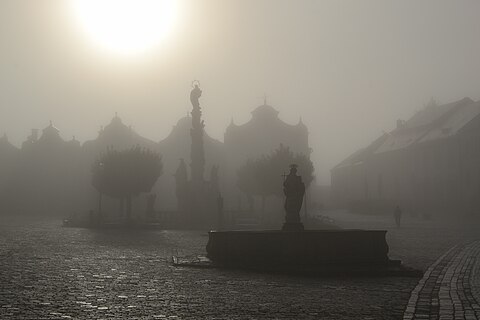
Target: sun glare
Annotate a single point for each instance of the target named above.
(127, 26)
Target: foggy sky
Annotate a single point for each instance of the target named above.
(348, 68)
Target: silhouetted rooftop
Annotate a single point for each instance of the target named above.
(51, 129)
(265, 111)
(5, 145)
(432, 113)
(360, 155)
(429, 124)
(50, 134)
(118, 135)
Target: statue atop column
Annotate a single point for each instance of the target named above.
(197, 197)
(294, 190)
(197, 152)
(195, 94)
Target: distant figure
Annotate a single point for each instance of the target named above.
(397, 214)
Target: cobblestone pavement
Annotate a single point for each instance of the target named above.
(50, 272)
(449, 287)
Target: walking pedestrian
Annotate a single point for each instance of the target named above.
(397, 214)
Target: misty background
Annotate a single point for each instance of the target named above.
(348, 68)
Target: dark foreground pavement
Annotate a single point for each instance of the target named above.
(449, 288)
(50, 272)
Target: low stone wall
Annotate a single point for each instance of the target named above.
(302, 248)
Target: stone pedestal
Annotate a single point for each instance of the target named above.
(292, 226)
(346, 248)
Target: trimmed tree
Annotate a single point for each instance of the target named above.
(263, 176)
(125, 174)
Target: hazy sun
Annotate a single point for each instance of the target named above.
(127, 26)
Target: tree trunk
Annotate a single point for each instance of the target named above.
(129, 208)
(263, 217)
(99, 204)
(122, 207)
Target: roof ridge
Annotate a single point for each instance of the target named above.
(444, 117)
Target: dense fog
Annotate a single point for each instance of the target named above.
(349, 69)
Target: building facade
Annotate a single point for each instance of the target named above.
(51, 175)
(258, 137)
(45, 178)
(429, 165)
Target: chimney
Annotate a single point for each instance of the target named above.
(400, 124)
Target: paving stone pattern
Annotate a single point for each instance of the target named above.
(50, 272)
(449, 288)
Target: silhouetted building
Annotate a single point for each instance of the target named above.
(51, 175)
(117, 136)
(428, 164)
(45, 178)
(258, 137)
(262, 135)
(8, 157)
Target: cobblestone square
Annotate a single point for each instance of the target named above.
(50, 272)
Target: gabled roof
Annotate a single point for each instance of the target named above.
(431, 123)
(428, 115)
(361, 155)
(453, 124)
